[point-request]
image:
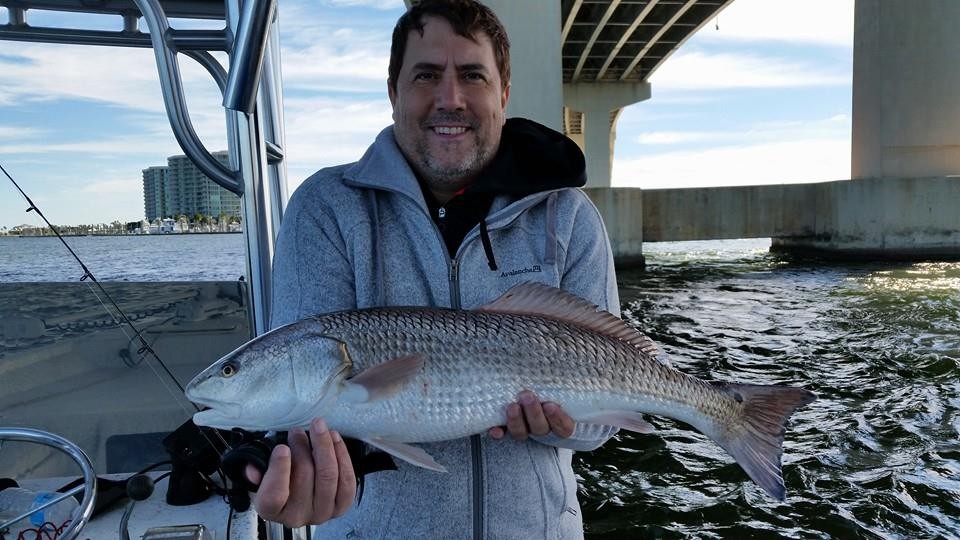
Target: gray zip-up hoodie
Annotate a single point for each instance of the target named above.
(359, 235)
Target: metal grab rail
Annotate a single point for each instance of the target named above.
(89, 486)
(175, 104)
(246, 60)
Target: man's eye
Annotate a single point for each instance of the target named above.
(474, 76)
(424, 76)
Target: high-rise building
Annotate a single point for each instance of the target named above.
(154, 198)
(181, 188)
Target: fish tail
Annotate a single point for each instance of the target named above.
(755, 439)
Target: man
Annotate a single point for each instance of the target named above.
(451, 206)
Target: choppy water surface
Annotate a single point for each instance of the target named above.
(877, 456)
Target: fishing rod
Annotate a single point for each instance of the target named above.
(145, 347)
(87, 274)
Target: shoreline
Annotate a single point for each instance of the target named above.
(115, 234)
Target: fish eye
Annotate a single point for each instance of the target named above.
(228, 370)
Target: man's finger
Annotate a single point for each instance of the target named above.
(275, 487)
(515, 422)
(560, 422)
(253, 474)
(497, 432)
(326, 476)
(346, 480)
(298, 508)
(533, 412)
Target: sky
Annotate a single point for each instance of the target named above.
(760, 95)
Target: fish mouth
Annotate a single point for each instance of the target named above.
(217, 418)
(223, 409)
(227, 415)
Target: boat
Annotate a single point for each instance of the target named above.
(87, 401)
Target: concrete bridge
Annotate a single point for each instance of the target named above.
(577, 63)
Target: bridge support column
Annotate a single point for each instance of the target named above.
(905, 154)
(600, 104)
(621, 208)
(536, 90)
(622, 211)
(906, 115)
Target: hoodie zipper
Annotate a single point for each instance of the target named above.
(476, 451)
(454, 283)
(476, 448)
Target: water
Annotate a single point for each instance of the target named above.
(877, 456)
(181, 257)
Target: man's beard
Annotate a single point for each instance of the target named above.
(438, 174)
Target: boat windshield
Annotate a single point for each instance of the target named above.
(68, 367)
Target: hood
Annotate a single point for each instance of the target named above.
(532, 158)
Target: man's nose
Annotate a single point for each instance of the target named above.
(449, 94)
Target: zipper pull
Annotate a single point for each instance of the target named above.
(453, 271)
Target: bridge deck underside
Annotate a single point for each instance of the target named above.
(626, 40)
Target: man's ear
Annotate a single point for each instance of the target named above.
(392, 93)
(505, 97)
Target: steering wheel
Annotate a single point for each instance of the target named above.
(81, 515)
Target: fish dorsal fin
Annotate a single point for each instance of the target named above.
(545, 301)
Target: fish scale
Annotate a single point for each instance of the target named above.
(507, 353)
(398, 375)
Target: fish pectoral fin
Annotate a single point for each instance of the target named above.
(628, 420)
(382, 380)
(407, 452)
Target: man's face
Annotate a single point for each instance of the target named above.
(448, 106)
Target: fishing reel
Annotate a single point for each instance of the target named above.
(195, 454)
(255, 450)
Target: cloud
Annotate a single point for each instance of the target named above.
(698, 70)
(326, 131)
(817, 22)
(106, 148)
(18, 132)
(834, 127)
(118, 187)
(376, 4)
(119, 197)
(117, 76)
(343, 61)
(675, 137)
(305, 23)
(797, 161)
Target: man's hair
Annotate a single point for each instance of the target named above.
(467, 17)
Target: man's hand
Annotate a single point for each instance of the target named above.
(528, 416)
(304, 486)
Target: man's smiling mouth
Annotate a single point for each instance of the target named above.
(449, 130)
